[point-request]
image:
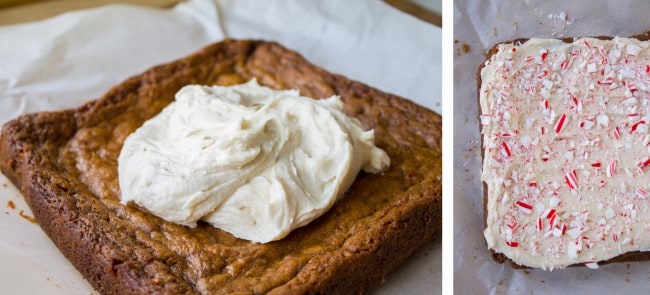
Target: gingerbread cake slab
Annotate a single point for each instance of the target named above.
(65, 165)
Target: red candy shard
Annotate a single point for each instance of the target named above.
(571, 179)
(560, 123)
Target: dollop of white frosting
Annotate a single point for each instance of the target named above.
(253, 161)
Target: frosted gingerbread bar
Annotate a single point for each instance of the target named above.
(65, 164)
(566, 154)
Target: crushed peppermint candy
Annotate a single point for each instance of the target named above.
(560, 123)
(566, 130)
(571, 179)
(524, 207)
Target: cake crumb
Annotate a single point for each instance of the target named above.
(11, 205)
(5, 185)
(465, 47)
(461, 48)
(29, 218)
(527, 272)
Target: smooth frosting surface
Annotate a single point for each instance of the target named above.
(250, 160)
(566, 155)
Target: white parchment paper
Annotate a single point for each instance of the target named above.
(479, 25)
(67, 60)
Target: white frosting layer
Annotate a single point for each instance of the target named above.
(250, 160)
(565, 135)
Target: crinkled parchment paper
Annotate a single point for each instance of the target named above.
(67, 60)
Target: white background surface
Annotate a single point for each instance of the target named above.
(65, 61)
(481, 24)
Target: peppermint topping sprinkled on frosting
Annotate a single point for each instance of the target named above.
(567, 146)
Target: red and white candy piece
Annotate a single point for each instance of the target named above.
(606, 81)
(645, 162)
(512, 244)
(551, 215)
(559, 125)
(640, 126)
(554, 202)
(587, 124)
(641, 193)
(505, 150)
(543, 54)
(616, 134)
(631, 86)
(524, 207)
(611, 168)
(571, 179)
(565, 64)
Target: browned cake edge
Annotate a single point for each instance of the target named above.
(28, 142)
(500, 257)
(23, 159)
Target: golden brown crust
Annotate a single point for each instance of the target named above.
(499, 257)
(65, 165)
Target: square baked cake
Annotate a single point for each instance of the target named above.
(65, 165)
(564, 127)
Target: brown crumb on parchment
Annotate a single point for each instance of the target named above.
(462, 48)
(11, 205)
(465, 48)
(5, 185)
(29, 218)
